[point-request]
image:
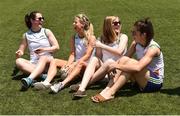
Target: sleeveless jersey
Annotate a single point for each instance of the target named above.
(37, 40)
(108, 55)
(80, 47)
(157, 64)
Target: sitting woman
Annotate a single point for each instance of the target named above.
(147, 71)
(81, 46)
(41, 43)
(111, 46)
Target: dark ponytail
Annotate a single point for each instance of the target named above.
(27, 21)
(28, 18)
(145, 26)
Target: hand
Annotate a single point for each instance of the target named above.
(98, 44)
(19, 53)
(39, 50)
(71, 67)
(94, 44)
(112, 66)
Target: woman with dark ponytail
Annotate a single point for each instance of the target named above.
(146, 70)
(41, 43)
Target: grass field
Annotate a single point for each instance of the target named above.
(165, 15)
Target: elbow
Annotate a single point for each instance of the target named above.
(138, 69)
(57, 48)
(120, 53)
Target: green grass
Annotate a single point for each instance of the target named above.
(59, 15)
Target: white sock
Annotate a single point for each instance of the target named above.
(31, 77)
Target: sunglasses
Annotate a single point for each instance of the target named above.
(116, 23)
(40, 19)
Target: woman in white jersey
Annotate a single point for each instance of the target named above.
(110, 47)
(41, 43)
(81, 46)
(147, 71)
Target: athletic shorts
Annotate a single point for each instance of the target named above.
(154, 83)
(35, 59)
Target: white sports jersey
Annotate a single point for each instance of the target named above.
(80, 47)
(37, 40)
(108, 55)
(157, 64)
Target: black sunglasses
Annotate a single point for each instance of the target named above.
(116, 23)
(40, 19)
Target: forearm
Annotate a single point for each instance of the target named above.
(115, 51)
(70, 60)
(84, 58)
(51, 49)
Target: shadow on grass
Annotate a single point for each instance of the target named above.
(19, 77)
(128, 90)
(171, 91)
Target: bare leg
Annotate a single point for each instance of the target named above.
(115, 87)
(140, 77)
(53, 68)
(40, 66)
(25, 65)
(76, 71)
(92, 66)
(112, 81)
(101, 72)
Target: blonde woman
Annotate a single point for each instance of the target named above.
(81, 46)
(110, 47)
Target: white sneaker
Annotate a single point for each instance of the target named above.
(41, 86)
(57, 87)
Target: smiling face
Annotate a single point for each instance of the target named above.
(116, 24)
(78, 26)
(38, 20)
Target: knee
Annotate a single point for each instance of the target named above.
(80, 64)
(53, 62)
(94, 60)
(123, 59)
(108, 63)
(19, 62)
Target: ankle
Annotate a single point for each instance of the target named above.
(81, 89)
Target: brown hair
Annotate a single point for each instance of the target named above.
(28, 18)
(108, 34)
(145, 26)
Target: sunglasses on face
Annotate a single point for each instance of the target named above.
(40, 19)
(116, 23)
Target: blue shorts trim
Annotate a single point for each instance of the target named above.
(154, 83)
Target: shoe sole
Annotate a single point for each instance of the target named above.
(41, 87)
(52, 90)
(80, 95)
